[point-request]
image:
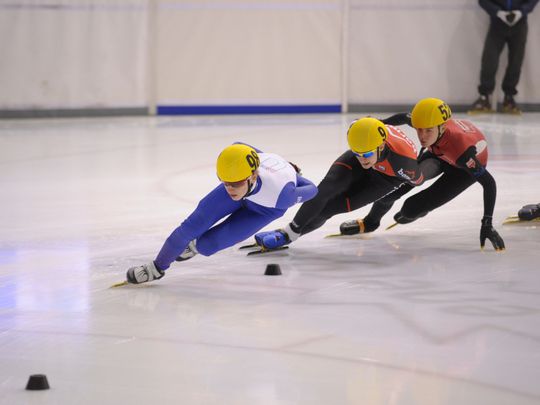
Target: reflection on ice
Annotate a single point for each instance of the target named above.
(416, 314)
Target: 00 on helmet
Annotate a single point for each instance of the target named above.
(236, 163)
(430, 112)
(366, 135)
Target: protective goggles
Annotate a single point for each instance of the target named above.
(234, 184)
(365, 154)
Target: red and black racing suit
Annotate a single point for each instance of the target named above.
(348, 186)
(462, 154)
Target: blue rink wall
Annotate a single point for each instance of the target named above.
(168, 57)
(247, 109)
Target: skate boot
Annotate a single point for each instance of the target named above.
(189, 252)
(356, 226)
(259, 237)
(277, 238)
(481, 105)
(509, 105)
(529, 212)
(401, 219)
(144, 273)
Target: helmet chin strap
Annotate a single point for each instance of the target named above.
(251, 186)
(440, 130)
(380, 150)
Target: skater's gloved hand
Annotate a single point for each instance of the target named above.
(488, 232)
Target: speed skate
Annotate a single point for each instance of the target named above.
(258, 249)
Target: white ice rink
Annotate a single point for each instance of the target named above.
(411, 316)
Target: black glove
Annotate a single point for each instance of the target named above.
(488, 232)
(398, 119)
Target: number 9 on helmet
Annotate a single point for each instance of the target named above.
(366, 135)
(236, 163)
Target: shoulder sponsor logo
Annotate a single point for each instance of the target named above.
(471, 164)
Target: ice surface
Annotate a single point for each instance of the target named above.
(414, 315)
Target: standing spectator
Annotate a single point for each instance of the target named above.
(508, 26)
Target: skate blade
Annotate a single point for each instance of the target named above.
(262, 251)
(515, 220)
(358, 235)
(335, 235)
(120, 284)
(391, 226)
(250, 246)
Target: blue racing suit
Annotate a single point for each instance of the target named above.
(278, 187)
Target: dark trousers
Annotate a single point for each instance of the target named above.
(346, 187)
(452, 183)
(498, 35)
(430, 166)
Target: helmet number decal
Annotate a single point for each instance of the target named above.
(253, 160)
(382, 132)
(443, 108)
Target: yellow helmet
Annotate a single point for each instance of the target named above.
(430, 112)
(366, 135)
(236, 163)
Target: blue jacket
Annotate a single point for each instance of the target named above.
(219, 222)
(493, 6)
